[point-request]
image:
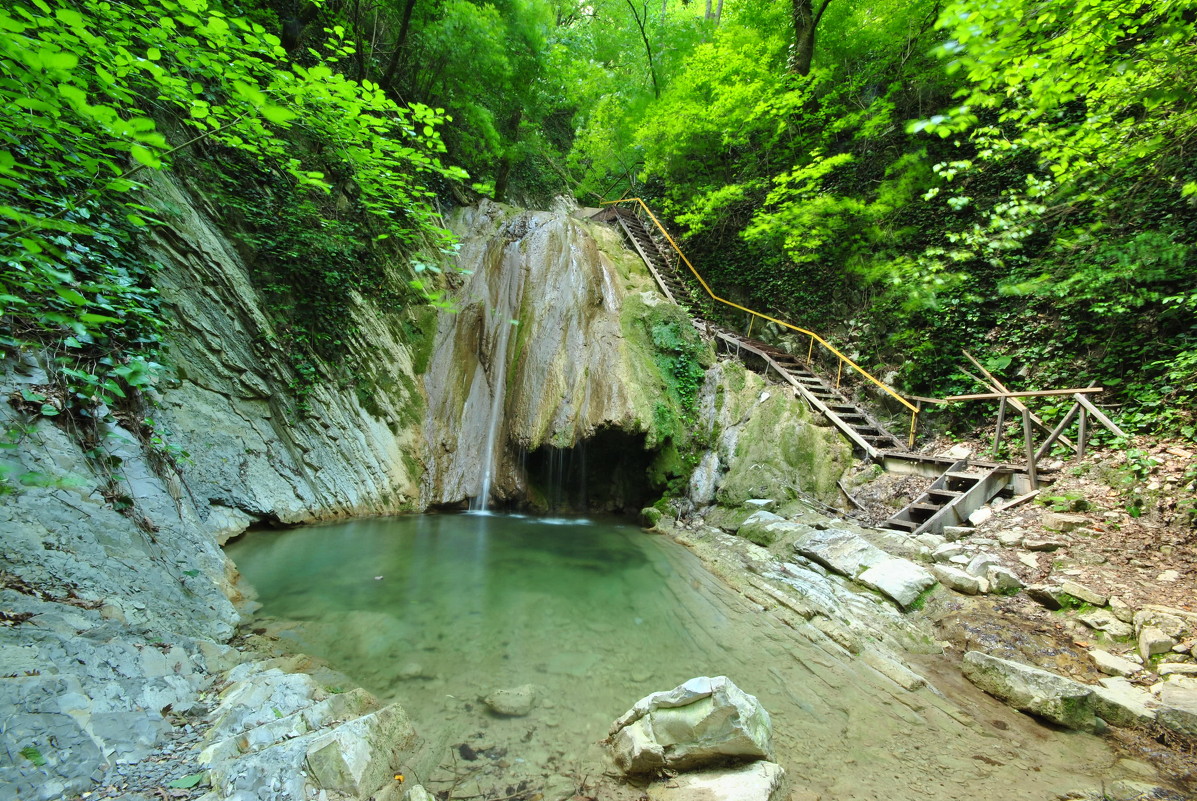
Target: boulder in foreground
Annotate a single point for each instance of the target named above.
(703, 721)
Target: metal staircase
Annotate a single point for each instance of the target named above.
(957, 492)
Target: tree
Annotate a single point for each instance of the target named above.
(806, 23)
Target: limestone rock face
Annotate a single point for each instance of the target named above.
(766, 444)
(90, 692)
(699, 722)
(252, 452)
(540, 342)
(278, 735)
(1054, 698)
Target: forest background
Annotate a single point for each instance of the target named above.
(1011, 177)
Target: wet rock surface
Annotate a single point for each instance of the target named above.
(112, 622)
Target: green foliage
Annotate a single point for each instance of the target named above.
(1013, 178)
(679, 355)
(97, 84)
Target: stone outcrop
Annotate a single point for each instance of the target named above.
(850, 555)
(765, 444)
(281, 734)
(116, 616)
(702, 721)
(1054, 698)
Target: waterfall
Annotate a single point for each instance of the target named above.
(499, 395)
(498, 392)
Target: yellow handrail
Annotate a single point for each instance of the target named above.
(814, 337)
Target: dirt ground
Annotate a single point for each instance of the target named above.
(1120, 522)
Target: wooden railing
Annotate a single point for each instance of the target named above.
(843, 360)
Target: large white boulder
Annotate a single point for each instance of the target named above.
(702, 721)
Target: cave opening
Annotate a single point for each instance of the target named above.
(607, 472)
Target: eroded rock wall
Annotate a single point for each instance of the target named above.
(764, 443)
(542, 321)
(111, 621)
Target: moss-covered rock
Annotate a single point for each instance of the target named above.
(769, 443)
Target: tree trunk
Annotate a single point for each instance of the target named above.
(718, 12)
(806, 22)
(708, 16)
(397, 57)
(640, 23)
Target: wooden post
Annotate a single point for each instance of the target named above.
(839, 373)
(1000, 387)
(997, 433)
(811, 350)
(1051, 438)
(1099, 416)
(1082, 434)
(1026, 435)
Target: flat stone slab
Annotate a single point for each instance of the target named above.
(1028, 689)
(1117, 701)
(956, 579)
(841, 550)
(1178, 706)
(1104, 620)
(1112, 664)
(1046, 596)
(756, 781)
(1062, 521)
(1177, 669)
(1084, 593)
(899, 579)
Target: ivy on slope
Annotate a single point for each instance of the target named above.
(90, 91)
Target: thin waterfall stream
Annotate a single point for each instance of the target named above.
(498, 392)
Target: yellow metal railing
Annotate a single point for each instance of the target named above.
(914, 410)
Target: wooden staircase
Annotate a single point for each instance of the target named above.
(957, 492)
(950, 499)
(858, 425)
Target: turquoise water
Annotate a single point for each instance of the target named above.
(438, 611)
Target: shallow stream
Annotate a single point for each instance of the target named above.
(437, 611)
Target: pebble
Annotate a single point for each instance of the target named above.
(176, 757)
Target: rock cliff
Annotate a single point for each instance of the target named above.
(114, 622)
(111, 619)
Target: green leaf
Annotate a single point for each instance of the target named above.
(187, 782)
(30, 752)
(70, 295)
(145, 156)
(278, 115)
(69, 17)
